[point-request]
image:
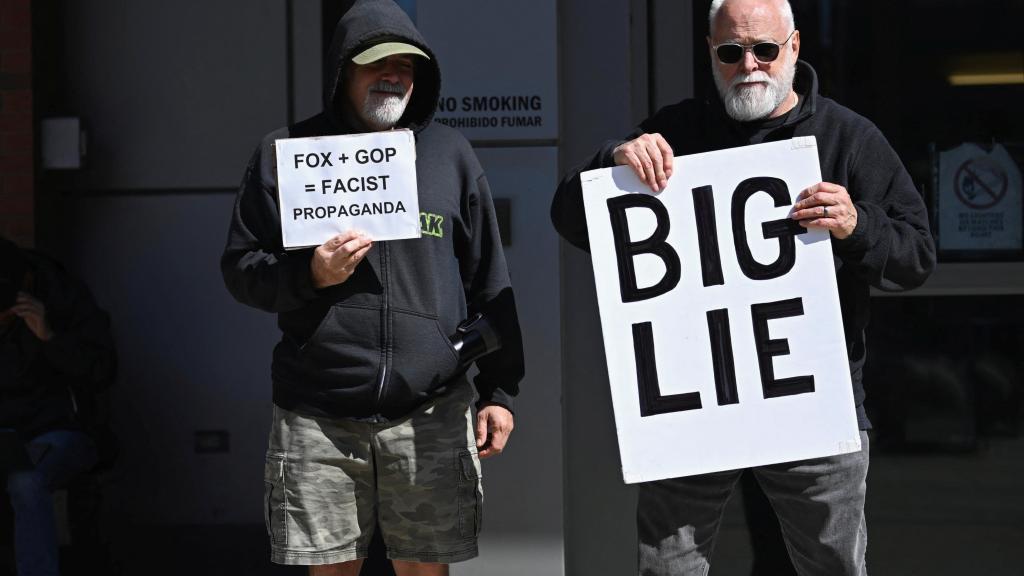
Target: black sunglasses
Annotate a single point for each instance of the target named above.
(764, 52)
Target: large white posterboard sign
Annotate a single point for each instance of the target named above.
(330, 184)
(721, 320)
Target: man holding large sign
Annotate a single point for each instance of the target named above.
(878, 225)
(373, 429)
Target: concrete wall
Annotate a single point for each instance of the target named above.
(174, 98)
(596, 102)
(190, 358)
(606, 87)
(523, 486)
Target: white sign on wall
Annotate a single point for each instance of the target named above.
(327, 185)
(498, 66)
(979, 199)
(721, 320)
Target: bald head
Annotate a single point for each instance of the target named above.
(736, 11)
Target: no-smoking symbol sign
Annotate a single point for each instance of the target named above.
(980, 183)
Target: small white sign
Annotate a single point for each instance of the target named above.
(721, 320)
(979, 199)
(329, 184)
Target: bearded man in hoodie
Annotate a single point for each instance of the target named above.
(373, 427)
(880, 238)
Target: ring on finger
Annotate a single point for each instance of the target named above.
(824, 211)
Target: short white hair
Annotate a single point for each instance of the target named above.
(787, 13)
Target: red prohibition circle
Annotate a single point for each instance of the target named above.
(973, 190)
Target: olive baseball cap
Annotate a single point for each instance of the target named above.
(385, 49)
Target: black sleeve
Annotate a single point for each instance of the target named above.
(488, 290)
(891, 247)
(567, 213)
(256, 268)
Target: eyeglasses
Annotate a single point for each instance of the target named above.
(764, 52)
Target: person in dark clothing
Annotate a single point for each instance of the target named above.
(373, 428)
(880, 238)
(56, 353)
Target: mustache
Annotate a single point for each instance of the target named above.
(756, 76)
(388, 87)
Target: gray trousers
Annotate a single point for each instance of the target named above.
(819, 502)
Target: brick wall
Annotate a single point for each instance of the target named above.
(17, 179)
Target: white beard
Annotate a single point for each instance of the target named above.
(383, 111)
(756, 102)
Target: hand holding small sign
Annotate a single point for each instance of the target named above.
(335, 260)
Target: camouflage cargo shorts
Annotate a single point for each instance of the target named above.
(331, 482)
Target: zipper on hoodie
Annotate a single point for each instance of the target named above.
(385, 332)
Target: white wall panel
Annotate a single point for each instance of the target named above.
(498, 66)
(174, 94)
(523, 486)
(190, 357)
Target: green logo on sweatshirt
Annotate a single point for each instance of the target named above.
(430, 224)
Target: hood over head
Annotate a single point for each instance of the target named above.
(368, 23)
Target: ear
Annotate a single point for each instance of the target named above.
(711, 48)
(796, 44)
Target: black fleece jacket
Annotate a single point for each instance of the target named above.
(51, 385)
(891, 247)
(377, 345)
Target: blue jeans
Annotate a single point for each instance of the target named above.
(819, 502)
(59, 456)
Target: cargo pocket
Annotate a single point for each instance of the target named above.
(471, 493)
(273, 498)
